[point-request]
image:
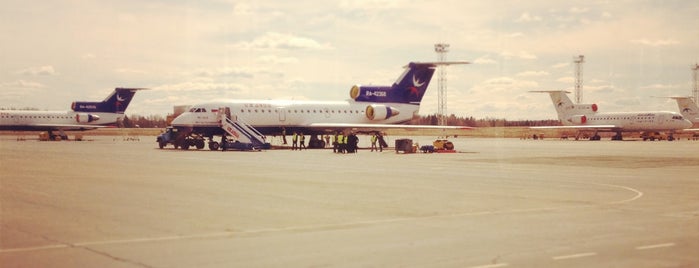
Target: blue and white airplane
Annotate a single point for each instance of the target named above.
(586, 117)
(371, 108)
(83, 115)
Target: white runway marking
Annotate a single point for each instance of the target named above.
(666, 245)
(574, 256)
(491, 265)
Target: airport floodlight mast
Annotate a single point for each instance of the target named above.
(695, 88)
(578, 77)
(442, 49)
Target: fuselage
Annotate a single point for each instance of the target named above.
(41, 120)
(270, 116)
(633, 121)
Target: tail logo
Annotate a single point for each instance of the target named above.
(119, 98)
(416, 82)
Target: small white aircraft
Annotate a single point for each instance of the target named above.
(82, 116)
(586, 117)
(371, 108)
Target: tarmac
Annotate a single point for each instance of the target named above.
(121, 202)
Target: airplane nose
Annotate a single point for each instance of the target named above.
(180, 119)
(687, 124)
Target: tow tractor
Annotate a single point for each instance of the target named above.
(439, 146)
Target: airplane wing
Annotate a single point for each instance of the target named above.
(376, 127)
(51, 127)
(584, 127)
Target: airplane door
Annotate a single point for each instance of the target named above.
(282, 114)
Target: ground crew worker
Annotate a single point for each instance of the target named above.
(302, 142)
(336, 146)
(345, 140)
(340, 143)
(294, 141)
(373, 142)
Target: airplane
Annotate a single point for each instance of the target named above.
(370, 109)
(586, 117)
(84, 115)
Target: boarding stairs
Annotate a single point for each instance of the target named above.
(244, 136)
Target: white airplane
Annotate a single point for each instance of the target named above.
(371, 108)
(82, 116)
(586, 117)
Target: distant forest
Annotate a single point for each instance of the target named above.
(156, 121)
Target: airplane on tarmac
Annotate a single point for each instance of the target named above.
(371, 108)
(83, 115)
(586, 117)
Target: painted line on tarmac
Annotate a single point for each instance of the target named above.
(491, 265)
(665, 245)
(574, 256)
(638, 195)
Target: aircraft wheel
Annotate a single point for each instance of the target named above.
(199, 143)
(162, 144)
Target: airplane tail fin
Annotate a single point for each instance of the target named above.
(687, 107)
(117, 102)
(566, 108)
(410, 87)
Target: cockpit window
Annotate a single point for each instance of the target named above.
(197, 110)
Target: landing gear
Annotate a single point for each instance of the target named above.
(316, 143)
(617, 137)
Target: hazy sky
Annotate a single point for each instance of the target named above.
(56, 52)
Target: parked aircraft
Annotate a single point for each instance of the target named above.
(83, 115)
(586, 117)
(371, 108)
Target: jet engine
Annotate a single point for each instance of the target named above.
(380, 112)
(585, 108)
(578, 119)
(86, 118)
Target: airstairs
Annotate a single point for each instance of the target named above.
(241, 135)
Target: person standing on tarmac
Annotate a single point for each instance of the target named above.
(341, 143)
(294, 141)
(373, 142)
(382, 142)
(336, 146)
(302, 141)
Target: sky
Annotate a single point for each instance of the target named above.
(55, 52)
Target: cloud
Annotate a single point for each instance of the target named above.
(655, 43)
(272, 59)
(520, 55)
(274, 40)
(560, 65)
(578, 10)
(533, 73)
(526, 17)
(21, 84)
(484, 60)
(567, 79)
(40, 70)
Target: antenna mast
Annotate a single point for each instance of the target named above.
(442, 49)
(695, 88)
(578, 78)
